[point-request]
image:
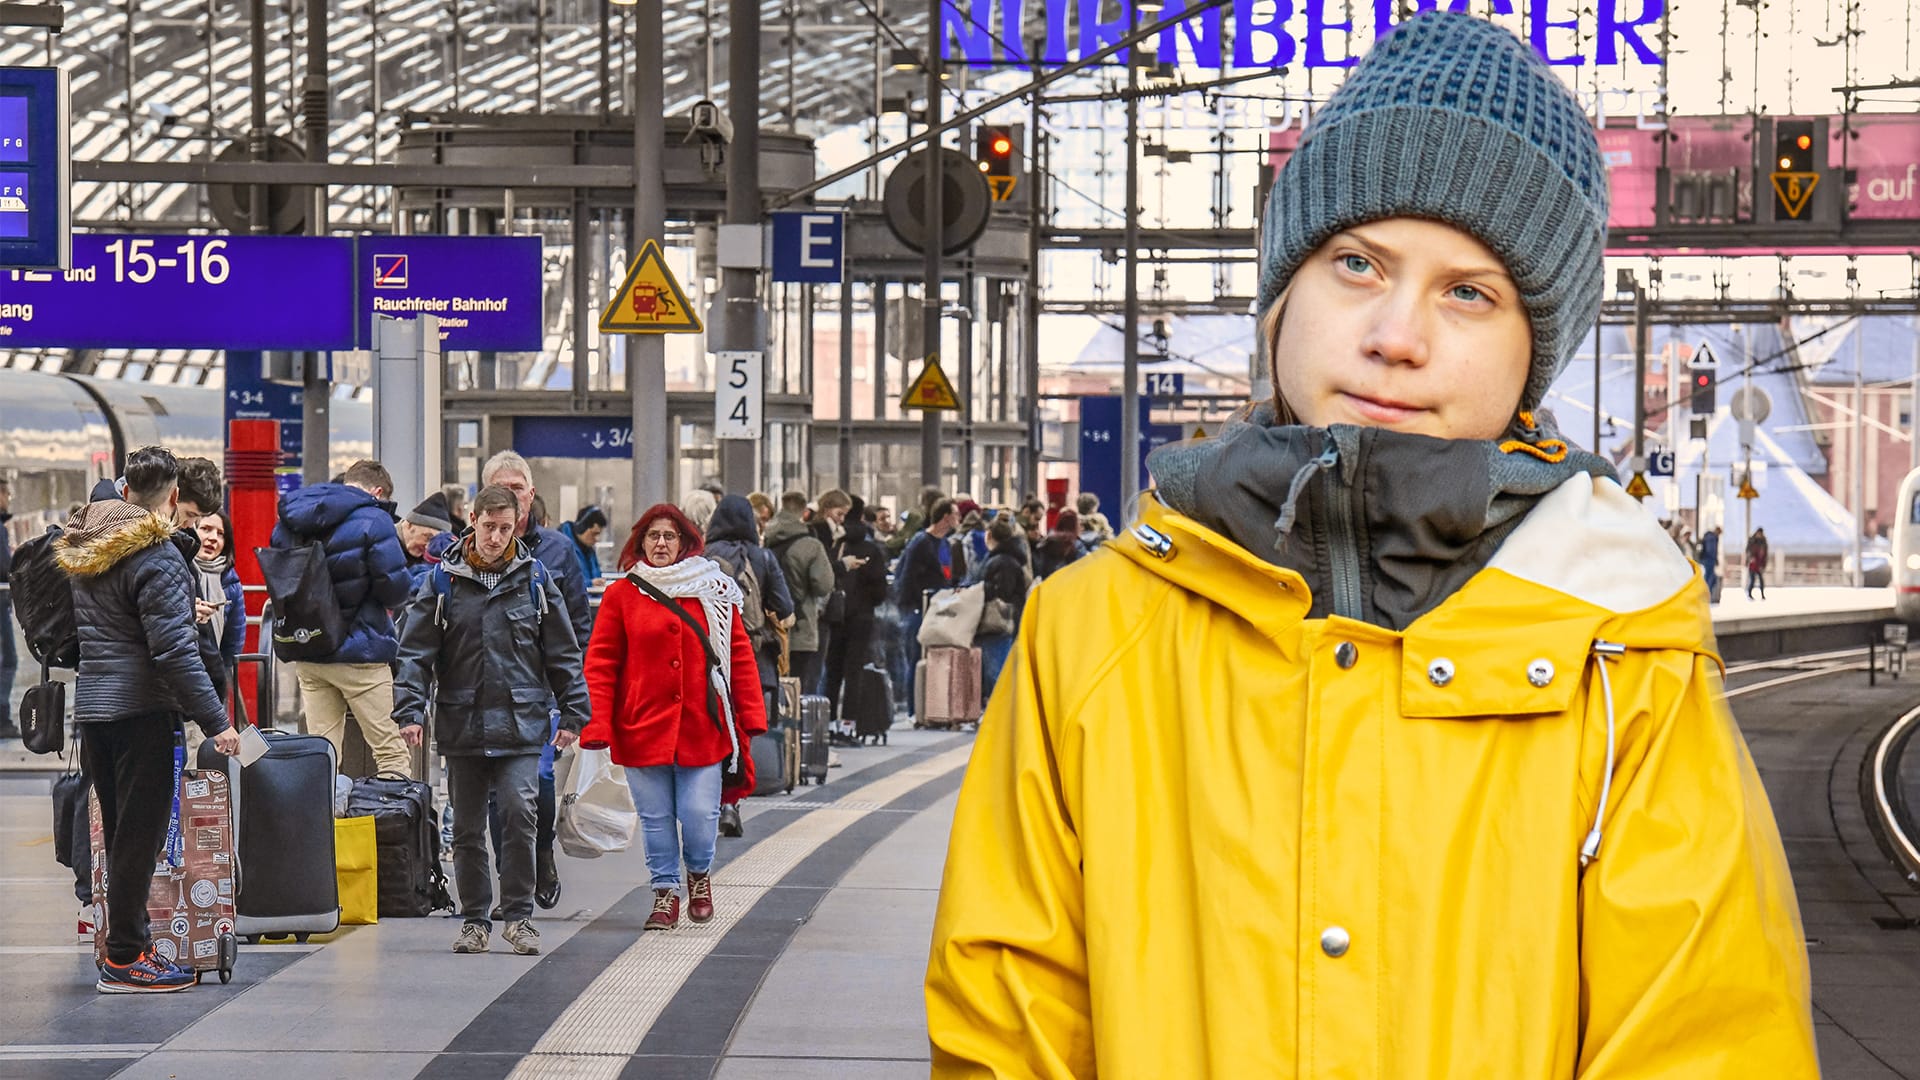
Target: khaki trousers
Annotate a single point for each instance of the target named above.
(327, 691)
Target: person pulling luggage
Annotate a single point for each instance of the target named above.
(488, 642)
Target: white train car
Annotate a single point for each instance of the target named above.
(1906, 550)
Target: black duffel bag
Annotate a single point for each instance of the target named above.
(407, 844)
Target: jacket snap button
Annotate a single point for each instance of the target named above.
(1334, 941)
(1440, 672)
(674, 663)
(1540, 672)
(1346, 655)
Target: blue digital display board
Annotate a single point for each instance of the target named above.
(186, 292)
(35, 157)
(572, 437)
(485, 289)
(298, 293)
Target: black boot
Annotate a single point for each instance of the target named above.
(546, 891)
(730, 820)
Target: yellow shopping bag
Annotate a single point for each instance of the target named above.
(356, 862)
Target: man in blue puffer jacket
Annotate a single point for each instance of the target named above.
(354, 522)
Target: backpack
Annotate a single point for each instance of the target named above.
(442, 579)
(307, 621)
(753, 610)
(43, 602)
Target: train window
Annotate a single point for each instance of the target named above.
(1913, 512)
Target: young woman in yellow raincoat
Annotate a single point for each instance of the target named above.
(1389, 741)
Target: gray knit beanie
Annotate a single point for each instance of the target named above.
(1454, 119)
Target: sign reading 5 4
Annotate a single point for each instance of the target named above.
(739, 398)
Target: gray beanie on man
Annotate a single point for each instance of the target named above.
(1455, 119)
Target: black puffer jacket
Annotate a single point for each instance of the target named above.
(733, 536)
(140, 652)
(488, 660)
(866, 587)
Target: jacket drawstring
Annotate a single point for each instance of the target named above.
(1290, 509)
(1590, 850)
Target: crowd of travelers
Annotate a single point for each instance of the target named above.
(511, 641)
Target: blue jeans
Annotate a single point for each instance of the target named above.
(666, 795)
(909, 657)
(994, 650)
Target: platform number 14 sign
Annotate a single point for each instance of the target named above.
(739, 399)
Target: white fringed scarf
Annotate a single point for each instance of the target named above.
(703, 580)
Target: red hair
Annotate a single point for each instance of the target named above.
(690, 542)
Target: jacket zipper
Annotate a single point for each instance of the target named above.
(1345, 556)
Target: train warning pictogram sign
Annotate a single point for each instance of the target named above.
(932, 390)
(649, 301)
(1638, 487)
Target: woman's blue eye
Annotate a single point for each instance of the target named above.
(1357, 264)
(1468, 293)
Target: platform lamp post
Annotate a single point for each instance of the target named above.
(935, 211)
(647, 353)
(1626, 286)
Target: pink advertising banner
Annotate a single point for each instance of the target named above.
(1882, 151)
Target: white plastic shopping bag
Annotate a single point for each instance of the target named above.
(952, 616)
(596, 815)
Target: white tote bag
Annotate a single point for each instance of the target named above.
(596, 815)
(952, 616)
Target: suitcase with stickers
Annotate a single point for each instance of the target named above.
(190, 912)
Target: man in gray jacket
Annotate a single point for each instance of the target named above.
(809, 580)
(141, 672)
(487, 641)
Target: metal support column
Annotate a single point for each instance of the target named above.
(1640, 333)
(316, 435)
(964, 358)
(1130, 379)
(935, 213)
(739, 287)
(843, 478)
(582, 297)
(647, 353)
(1029, 395)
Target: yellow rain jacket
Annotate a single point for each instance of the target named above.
(1204, 835)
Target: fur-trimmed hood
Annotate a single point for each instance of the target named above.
(104, 533)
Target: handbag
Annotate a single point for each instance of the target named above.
(996, 619)
(43, 716)
(356, 867)
(69, 816)
(952, 617)
(596, 815)
(833, 611)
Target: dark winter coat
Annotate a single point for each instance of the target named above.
(583, 555)
(556, 553)
(489, 660)
(866, 588)
(920, 569)
(364, 558)
(1006, 574)
(734, 536)
(1058, 550)
(133, 590)
(809, 574)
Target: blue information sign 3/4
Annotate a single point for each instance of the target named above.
(485, 289)
(304, 293)
(35, 204)
(185, 292)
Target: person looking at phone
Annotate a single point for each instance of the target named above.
(860, 571)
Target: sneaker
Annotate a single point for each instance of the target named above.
(472, 939)
(700, 897)
(523, 937)
(730, 821)
(666, 910)
(150, 974)
(84, 926)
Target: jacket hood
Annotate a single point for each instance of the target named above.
(733, 520)
(104, 533)
(1383, 526)
(785, 526)
(319, 509)
(1015, 548)
(1623, 580)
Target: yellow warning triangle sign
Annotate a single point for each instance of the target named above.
(1199, 432)
(1795, 190)
(1746, 487)
(932, 390)
(1637, 487)
(650, 300)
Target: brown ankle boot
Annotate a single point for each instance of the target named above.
(666, 910)
(700, 897)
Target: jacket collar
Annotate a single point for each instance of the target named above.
(104, 533)
(455, 560)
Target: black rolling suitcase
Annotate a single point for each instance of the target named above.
(283, 817)
(869, 703)
(406, 843)
(816, 738)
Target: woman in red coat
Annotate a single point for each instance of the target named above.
(676, 696)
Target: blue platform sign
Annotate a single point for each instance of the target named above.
(572, 437)
(185, 292)
(35, 156)
(809, 246)
(485, 289)
(1100, 448)
(252, 397)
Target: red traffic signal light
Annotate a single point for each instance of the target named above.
(1804, 142)
(1002, 146)
(993, 149)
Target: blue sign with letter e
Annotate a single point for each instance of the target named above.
(809, 246)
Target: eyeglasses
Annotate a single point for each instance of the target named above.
(662, 536)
